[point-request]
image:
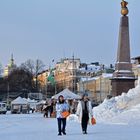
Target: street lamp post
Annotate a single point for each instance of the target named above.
(8, 94)
(55, 87)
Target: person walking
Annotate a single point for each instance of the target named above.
(84, 112)
(53, 108)
(45, 110)
(61, 107)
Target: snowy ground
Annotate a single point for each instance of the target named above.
(117, 119)
(35, 127)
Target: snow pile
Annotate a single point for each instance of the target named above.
(130, 116)
(118, 108)
(73, 118)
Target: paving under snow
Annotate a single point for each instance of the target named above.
(35, 127)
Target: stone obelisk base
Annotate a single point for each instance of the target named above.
(121, 85)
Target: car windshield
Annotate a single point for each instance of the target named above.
(3, 105)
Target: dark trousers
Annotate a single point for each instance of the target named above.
(46, 114)
(85, 119)
(61, 124)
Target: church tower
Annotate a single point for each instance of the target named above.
(10, 67)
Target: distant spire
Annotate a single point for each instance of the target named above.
(73, 56)
(73, 60)
(12, 59)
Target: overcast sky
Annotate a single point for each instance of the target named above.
(54, 29)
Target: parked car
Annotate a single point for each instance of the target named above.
(3, 108)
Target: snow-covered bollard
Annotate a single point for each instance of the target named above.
(73, 118)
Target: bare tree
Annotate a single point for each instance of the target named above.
(38, 68)
(29, 65)
(34, 67)
(20, 79)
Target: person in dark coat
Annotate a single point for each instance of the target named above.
(45, 110)
(84, 112)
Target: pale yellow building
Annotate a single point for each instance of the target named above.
(42, 78)
(97, 87)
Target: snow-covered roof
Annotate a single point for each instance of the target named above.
(90, 68)
(107, 75)
(104, 75)
(19, 100)
(30, 100)
(41, 102)
(89, 79)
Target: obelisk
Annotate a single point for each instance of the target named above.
(123, 77)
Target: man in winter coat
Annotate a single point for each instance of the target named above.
(61, 106)
(45, 110)
(84, 112)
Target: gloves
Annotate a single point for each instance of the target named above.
(77, 115)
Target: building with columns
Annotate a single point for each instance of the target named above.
(66, 73)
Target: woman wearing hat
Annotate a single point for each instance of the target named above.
(61, 106)
(84, 112)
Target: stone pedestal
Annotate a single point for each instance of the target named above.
(121, 85)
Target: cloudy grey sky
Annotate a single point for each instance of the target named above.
(52, 29)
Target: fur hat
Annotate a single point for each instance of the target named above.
(60, 96)
(85, 94)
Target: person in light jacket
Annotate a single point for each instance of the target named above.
(61, 106)
(84, 112)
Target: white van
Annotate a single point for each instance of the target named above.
(3, 108)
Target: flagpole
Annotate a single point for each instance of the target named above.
(73, 74)
(51, 78)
